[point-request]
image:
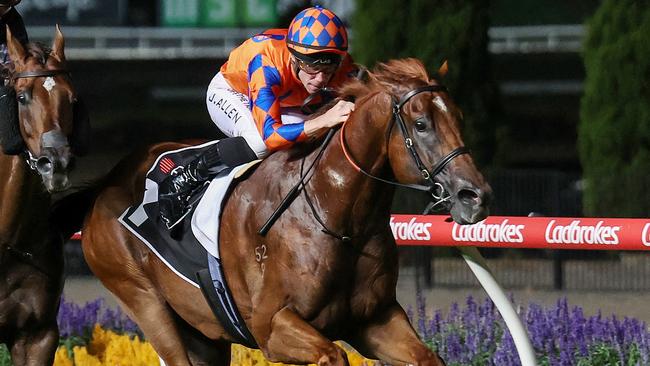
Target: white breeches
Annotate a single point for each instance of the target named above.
(230, 111)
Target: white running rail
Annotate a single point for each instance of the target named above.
(477, 264)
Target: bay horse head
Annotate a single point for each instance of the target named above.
(45, 113)
(424, 146)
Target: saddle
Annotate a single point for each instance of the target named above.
(179, 248)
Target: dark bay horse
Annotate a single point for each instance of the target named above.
(301, 285)
(35, 159)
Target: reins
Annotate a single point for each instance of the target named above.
(435, 189)
(293, 193)
(325, 229)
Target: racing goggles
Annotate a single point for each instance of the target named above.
(324, 62)
(313, 69)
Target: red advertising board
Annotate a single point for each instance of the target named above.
(524, 232)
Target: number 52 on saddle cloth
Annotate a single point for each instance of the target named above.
(191, 249)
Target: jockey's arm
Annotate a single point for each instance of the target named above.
(339, 113)
(264, 87)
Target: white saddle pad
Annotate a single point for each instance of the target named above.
(207, 216)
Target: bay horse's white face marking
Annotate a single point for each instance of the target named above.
(440, 104)
(49, 84)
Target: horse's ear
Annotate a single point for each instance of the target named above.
(58, 45)
(16, 51)
(444, 68)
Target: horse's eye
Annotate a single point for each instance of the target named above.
(420, 125)
(22, 99)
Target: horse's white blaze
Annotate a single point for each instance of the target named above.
(49, 83)
(440, 104)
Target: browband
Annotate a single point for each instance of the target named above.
(38, 73)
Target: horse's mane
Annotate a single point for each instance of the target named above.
(394, 77)
(35, 50)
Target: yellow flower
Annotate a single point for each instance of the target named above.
(61, 358)
(242, 356)
(107, 348)
(82, 358)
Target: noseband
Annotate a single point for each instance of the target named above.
(36, 162)
(434, 188)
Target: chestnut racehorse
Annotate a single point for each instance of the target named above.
(37, 148)
(327, 269)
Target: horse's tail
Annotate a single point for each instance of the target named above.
(67, 214)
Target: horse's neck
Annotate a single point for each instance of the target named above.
(353, 195)
(23, 201)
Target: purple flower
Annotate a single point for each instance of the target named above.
(560, 335)
(78, 321)
(422, 315)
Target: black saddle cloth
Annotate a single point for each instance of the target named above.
(180, 250)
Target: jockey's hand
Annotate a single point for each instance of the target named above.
(336, 115)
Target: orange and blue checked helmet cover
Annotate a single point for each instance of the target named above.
(315, 30)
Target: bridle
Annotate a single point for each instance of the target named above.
(433, 187)
(39, 73)
(35, 162)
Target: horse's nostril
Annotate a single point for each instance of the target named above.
(468, 196)
(44, 165)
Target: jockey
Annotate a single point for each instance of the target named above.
(257, 96)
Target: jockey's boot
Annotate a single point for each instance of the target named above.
(175, 191)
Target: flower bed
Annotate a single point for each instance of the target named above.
(475, 334)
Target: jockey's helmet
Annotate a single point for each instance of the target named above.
(317, 36)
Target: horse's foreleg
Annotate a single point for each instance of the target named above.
(201, 350)
(391, 338)
(105, 247)
(154, 318)
(139, 300)
(292, 340)
(36, 347)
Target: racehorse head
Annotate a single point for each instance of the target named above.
(421, 126)
(45, 113)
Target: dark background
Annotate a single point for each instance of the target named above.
(129, 101)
